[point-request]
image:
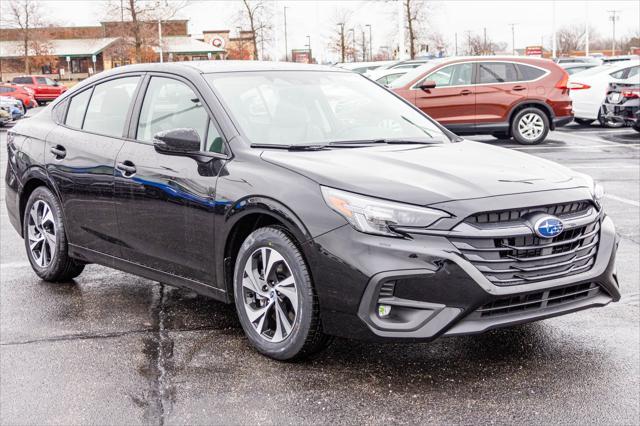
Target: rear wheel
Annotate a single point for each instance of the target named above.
(45, 238)
(275, 299)
(530, 126)
(583, 121)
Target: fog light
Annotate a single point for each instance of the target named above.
(384, 311)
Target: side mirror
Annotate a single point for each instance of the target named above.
(427, 84)
(55, 83)
(177, 142)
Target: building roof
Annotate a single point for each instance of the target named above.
(186, 45)
(59, 47)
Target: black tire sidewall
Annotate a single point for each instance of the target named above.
(278, 240)
(60, 257)
(516, 133)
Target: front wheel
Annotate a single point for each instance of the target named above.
(274, 296)
(45, 238)
(530, 126)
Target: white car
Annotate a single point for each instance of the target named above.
(588, 89)
(386, 76)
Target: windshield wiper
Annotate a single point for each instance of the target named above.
(292, 147)
(384, 141)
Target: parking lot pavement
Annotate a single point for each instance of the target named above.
(114, 348)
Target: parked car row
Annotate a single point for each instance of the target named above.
(13, 109)
(519, 97)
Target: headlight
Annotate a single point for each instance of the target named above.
(598, 192)
(375, 216)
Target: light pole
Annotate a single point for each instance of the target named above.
(613, 18)
(309, 46)
(513, 39)
(342, 42)
(370, 43)
(286, 48)
(456, 41)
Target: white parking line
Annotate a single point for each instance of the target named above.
(569, 147)
(14, 265)
(623, 200)
(588, 138)
(602, 167)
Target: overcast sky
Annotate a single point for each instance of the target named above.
(533, 19)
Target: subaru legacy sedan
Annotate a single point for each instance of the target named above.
(317, 201)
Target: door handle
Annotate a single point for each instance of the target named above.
(465, 92)
(127, 168)
(58, 152)
(518, 88)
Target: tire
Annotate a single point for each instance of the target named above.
(50, 258)
(284, 325)
(530, 126)
(583, 121)
(636, 126)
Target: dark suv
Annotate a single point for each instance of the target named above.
(515, 97)
(314, 199)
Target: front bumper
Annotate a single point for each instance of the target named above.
(437, 290)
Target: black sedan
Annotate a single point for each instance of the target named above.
(317, 201)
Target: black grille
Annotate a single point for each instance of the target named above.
(536, 301)
(387, 289)
(560, 210)
(528, 258)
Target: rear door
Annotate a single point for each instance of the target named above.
(80, 157)
(498, 89)
(452, 101)
(165, 203)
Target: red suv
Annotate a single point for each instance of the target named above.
(515, 97)
(45, 89)
(22, 94)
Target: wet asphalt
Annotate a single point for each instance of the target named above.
(112, 348)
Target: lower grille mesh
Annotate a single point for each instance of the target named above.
(536, 301)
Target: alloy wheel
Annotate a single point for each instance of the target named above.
(270, 294)
(41, 231)
(531, 126)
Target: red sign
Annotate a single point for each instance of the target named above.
(533, 51)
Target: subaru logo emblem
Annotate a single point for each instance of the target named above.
(548, 227)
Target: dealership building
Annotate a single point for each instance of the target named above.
(78, 52)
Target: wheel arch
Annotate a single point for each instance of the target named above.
(242, 219)
(531, 104)
(33, 178)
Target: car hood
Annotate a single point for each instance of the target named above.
(429, 174)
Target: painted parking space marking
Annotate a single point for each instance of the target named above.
(623, 200)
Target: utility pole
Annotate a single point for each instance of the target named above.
(309, 46)
(484, 43)
(456, 38)
(364, 47)
(286, 48)
(370, 45)
(553, 30)
(586, 28)
(613, 18)
(513, 39)
(342, 42)
(239, 29)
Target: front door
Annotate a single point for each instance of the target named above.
(80, 156)
(165, 203)
(452, 101)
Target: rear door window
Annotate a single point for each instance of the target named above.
(109, 106)
(77, 108)
(497, 72)
(23, 80)
(452, 75)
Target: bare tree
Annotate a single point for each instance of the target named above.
(415, 16)
(27, 16)
(339, 39)
(570, 38)
(257, 16)
(139, 17)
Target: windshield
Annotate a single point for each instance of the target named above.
(311, 107)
